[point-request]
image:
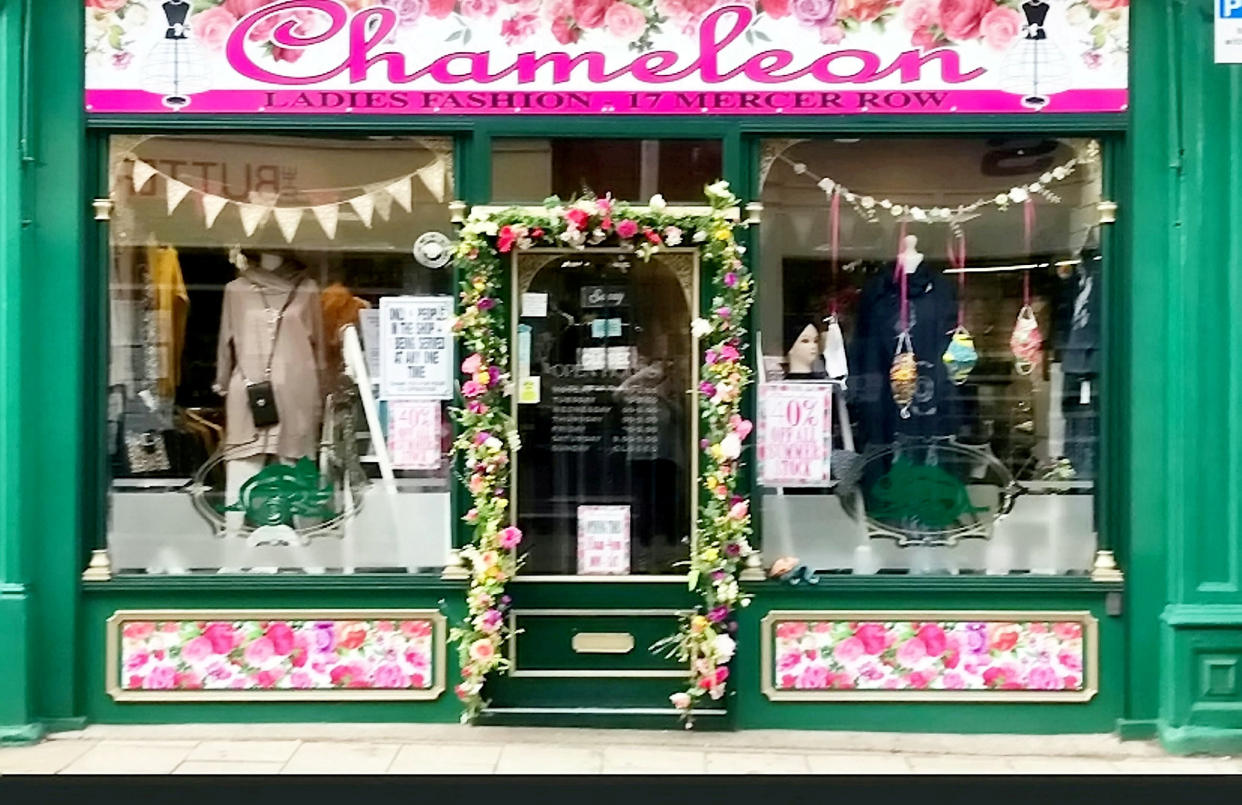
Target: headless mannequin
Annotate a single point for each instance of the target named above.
(910, 258)
(239, 470)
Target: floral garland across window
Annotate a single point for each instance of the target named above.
(488, 434)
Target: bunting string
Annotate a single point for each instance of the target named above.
(870, 207)
(377, 197)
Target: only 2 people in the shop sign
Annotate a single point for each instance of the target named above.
(688, 57)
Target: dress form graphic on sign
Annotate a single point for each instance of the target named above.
(1035, 68)
(174, 67)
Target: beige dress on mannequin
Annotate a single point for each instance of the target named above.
(248, 336)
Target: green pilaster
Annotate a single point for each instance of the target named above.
(53, 462)
(1186, 384)
(16, 716)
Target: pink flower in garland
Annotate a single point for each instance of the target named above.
(472, 388)
(729, 352)
(577, 218)
(730, 279)
(471, 365)
(509, 538)
(627, 228)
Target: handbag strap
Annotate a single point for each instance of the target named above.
(280, 318)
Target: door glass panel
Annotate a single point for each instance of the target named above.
(604, 363)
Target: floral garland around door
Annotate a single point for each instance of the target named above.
(488, 434)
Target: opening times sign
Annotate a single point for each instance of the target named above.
(627, 57)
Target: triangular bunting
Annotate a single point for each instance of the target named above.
(383, 204)
(142, 174)
(402, 192)
(365, 207)
(251, 216)
(288, 219)
(176, 192)
(327, 215)
(212, 207)
(433, 177)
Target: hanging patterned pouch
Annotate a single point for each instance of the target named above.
(1026, 341)
(903, 375)
(960, 356)
(146, 452)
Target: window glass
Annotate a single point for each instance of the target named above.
(279, 358)
(634, 170)
(964, 386)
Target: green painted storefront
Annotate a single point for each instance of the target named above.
(1169, 635)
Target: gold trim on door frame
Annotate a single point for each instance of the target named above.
(1090, 649)
(695, 358)
(594, 673)
(114, 624)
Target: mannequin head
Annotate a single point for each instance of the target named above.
(801, 344)
(910, 255)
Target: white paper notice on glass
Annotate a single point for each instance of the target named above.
(594, 359)
(795, 433)
(416, 347)
(1228, 31)
(414, 434)
(534, 305)
(603, 540)
(369, 321)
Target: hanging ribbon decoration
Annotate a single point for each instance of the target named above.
(960, 356)
(1026, 341)
(903, 375)
(835, 362)
(835, 215)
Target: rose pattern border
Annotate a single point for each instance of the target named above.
(865, 654)
(257, 655)
(1103, 25)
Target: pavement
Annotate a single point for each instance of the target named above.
(341, 749)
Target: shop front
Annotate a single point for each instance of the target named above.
(756, 365)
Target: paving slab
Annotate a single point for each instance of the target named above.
(529, 758)
(341, 757)
(653, 760)
(245, 751)
(132, 757)
(206, 767)
(446, 759)
(48, 757)
(733, 762)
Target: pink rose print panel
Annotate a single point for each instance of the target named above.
(221, 655)
(886, 655)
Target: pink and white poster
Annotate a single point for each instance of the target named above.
(604, 540)
(414, 434)
(795, 434)
(688, 57)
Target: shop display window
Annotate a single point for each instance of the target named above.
(280, 356)
(930, 330)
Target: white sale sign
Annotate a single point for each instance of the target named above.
(795, 434)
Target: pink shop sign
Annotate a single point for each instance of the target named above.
(684, 57)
